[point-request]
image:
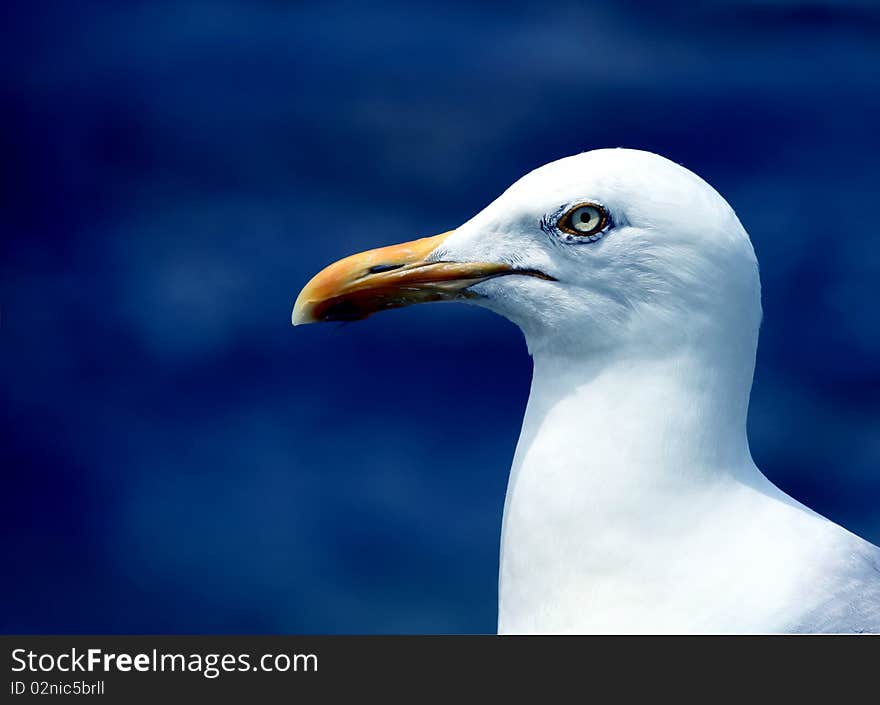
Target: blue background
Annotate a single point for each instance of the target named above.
(177, 458)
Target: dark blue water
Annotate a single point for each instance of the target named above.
(177, 458)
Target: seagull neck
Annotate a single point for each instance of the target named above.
(679, 417)
(627, 469)
(612, 444)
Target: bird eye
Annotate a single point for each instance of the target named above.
(585, 219)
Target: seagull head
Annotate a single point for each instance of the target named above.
(608, 249)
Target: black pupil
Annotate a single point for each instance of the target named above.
(586, 216)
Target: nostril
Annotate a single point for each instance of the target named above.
(379, 268)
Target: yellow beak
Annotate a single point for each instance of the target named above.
(386, 278)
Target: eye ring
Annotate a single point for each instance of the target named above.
(584, 220)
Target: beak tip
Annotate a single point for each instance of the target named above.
(301, 314)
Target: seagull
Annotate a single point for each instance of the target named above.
(633, 504)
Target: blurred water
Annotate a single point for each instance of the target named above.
(178, 459)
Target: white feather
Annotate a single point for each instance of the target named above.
(633, 502)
